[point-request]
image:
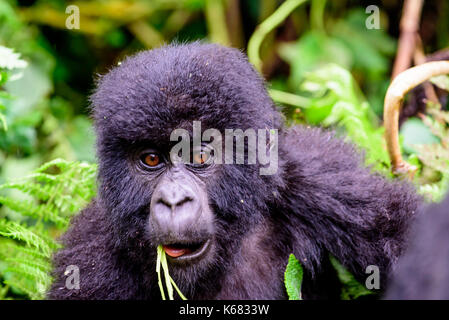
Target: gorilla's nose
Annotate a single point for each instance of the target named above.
(174, 207)
(175, 196)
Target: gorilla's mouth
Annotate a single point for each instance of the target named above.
(186, 251)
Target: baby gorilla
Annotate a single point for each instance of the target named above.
(227, 229)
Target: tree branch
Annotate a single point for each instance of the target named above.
(402, 84)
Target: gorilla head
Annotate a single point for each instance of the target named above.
(186, 206)
(226, 225)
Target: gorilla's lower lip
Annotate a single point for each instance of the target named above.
(178, 252)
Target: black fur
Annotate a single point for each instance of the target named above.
(423, 270)
(322, 199)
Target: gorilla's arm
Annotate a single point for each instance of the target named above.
(344, 209)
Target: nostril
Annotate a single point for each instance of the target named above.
(183, 201)
(173, 204)
(164, 202)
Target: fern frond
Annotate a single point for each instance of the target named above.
(19, 232)
(29, 253)
(41, 192)
(54, 192)
(28, 208)
(35, 290)
(3, 292)
(42, 265)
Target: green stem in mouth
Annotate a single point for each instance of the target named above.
(177, 289)
(160, 252)
(169, 282)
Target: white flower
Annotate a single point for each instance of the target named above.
(11, 60)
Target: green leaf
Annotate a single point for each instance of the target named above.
(312, 50)
(50, 195)
(415, 132)
(374, 44)
(338, 101)
(3, 124)
(351, 288)
(293, 278)
(20, 232)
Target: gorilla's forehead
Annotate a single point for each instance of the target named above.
(160, 90)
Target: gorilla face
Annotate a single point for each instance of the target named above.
(197, 210)
(180, 218)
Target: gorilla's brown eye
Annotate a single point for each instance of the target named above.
(151, 159)
(200, 157)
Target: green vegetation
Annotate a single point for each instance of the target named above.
(38, 208)
(293, 278)
(351, 288)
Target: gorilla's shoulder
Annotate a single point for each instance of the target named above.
(319, 149)
(89, 224)
(320, 163)
(334, 160)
